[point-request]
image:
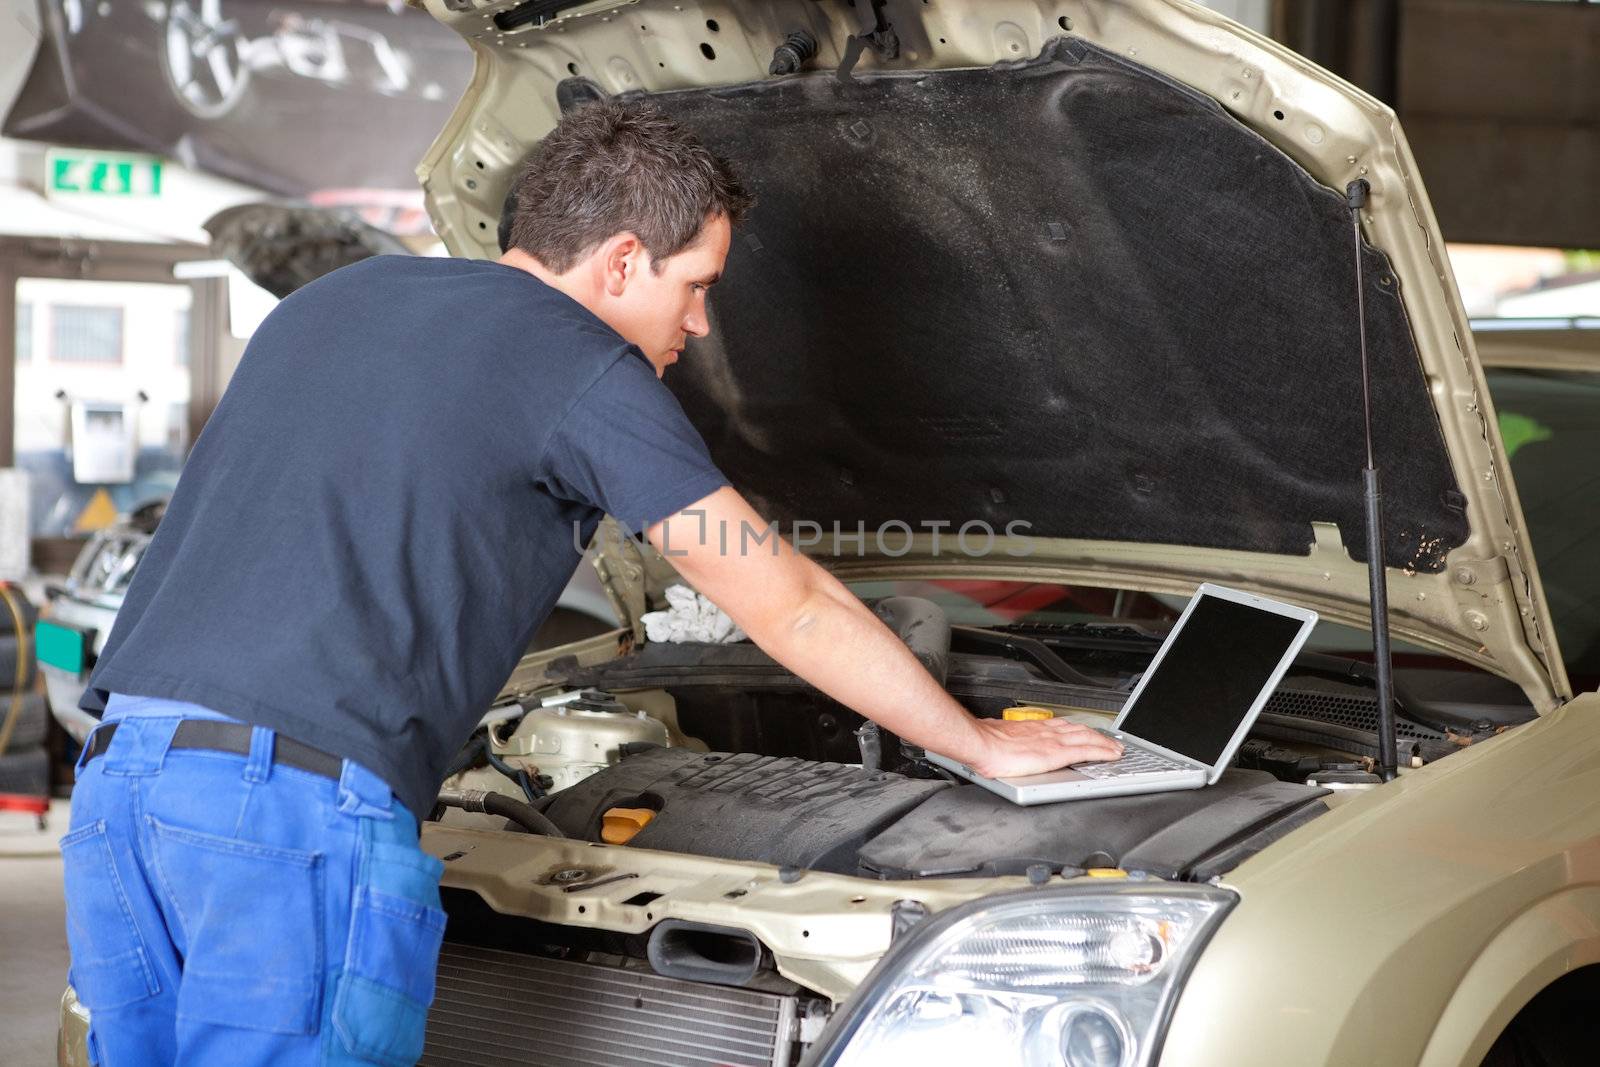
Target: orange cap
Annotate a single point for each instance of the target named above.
(618, 825)
(1026, 713)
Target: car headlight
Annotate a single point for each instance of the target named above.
(1067, 977)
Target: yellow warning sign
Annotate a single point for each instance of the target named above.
(97, 514)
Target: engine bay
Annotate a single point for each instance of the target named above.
(716, 750)
(762, 845)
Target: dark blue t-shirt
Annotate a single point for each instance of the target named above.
(381, 511)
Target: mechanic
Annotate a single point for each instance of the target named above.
(375, 521)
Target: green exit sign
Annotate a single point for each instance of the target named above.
(103, 173)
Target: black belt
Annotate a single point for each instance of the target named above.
(235, 738)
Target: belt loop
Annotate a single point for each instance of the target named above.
(258, 765)
(364, 794)
(140, 745)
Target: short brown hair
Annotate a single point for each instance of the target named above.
(609, 168)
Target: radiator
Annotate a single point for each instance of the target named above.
(495, 1007)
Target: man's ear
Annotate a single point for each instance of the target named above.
(621, 259)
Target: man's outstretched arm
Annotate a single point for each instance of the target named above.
(806, 620)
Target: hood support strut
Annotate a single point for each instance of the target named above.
(1356, 197)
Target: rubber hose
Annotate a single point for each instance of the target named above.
(491, 803)
(516, 774)
(470, 756)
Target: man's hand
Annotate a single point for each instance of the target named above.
(1034, 747)
(805, 619)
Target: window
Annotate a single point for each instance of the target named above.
(85, 334)
(1508, 283)
(24, 332)
(1550, 424)
(105, 344)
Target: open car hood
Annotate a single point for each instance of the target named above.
(1091, 272)
(281, 247)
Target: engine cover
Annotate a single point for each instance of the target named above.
(1191, 833)
(779, 810)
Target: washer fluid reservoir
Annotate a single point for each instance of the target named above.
(571, 741)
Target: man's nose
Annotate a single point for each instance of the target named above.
(695, 323)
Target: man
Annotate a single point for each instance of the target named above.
(373, 524)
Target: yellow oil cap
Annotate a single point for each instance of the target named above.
(618, 825)
(1026, 713)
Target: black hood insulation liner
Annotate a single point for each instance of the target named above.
(1067, 291)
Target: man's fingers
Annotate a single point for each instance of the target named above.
(1037, 746)
(1075, 754)
(1088, 740)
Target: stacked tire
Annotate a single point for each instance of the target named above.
(24, 763)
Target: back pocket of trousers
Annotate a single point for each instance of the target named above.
(251, 917)
(380, 1011)
(110, 964)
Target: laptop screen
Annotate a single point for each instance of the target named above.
(1215, 668)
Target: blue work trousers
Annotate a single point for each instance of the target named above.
(225, 910)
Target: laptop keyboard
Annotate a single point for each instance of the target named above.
(1133, 761)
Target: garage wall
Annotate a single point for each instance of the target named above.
(1501, 102)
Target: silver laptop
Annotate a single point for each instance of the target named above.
(1192, 708)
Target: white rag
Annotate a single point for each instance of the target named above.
(690, 617)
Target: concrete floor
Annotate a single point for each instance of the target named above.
(33, 938)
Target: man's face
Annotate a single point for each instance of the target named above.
(658, 309)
